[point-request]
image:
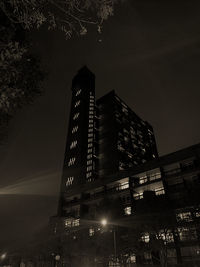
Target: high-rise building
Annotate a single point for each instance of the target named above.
(125, 140)
(119, 201)
(104, 137)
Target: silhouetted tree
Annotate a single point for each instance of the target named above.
(66, 15)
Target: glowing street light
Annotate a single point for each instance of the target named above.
(104, 222)
(3, 256)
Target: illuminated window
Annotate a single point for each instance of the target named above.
(120, 148)
(184, 216)
(155, 176)
(68, 222)
(197, 214)
(91, 231)
(76, 222)
(73, 144)
(89, 162)
(166, 236)
(76, 116)
(75, 129)
(123, 186)
(127, 210)
(145, 237)
(131, 259)
(90, 135)
(69, 181)
(90, 145)
(143, 180)
(138, 195)
(90, 140)
(89, 168)
(89, 174)
(159, 191)
(78, 92)
(89, 150)
(91, 121)
(187, 233)
(121, 165)
(77, 103)
(71, 161)
(90, 130)
(89, 156)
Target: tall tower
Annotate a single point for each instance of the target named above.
(78, 165)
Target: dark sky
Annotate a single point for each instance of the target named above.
(149, 53)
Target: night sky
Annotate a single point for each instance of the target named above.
(149, 53)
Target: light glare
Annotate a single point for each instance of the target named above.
(104, 222)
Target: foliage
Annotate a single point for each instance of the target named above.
(66, 15)
(20, 72)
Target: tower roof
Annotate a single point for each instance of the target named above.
(84, 78)
(84, 70)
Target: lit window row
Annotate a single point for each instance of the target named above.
(69, 181)
(72, 222)
(78, 92)
(75, 129)
(90, 139)
(73, 144)
(77, 103)
(76, 116)
(71, 161)
(166, 236)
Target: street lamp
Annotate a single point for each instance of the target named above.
(57, 258)
(104, 223)
(3, 256)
